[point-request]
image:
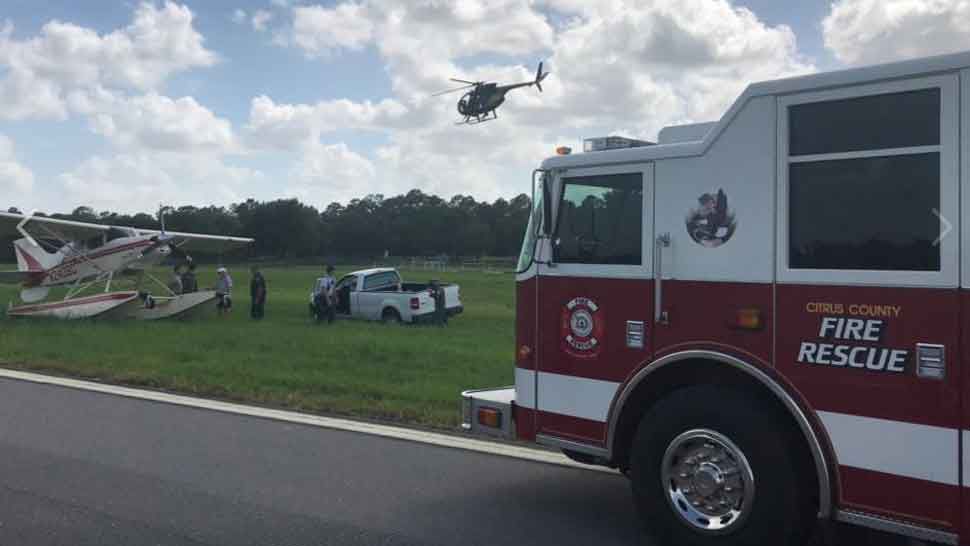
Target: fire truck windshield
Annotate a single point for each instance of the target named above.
(527, 254)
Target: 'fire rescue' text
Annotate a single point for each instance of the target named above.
(852, 355)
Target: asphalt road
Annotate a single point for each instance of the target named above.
(86, 468)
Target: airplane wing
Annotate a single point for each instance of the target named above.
(200, 242)
(42, 227)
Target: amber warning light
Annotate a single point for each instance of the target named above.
(490, 417)
(564, 150)
(748, 319)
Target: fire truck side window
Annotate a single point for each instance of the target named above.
(601, 220)
(874, 211)
(878, 122)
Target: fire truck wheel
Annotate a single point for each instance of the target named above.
(710, 466)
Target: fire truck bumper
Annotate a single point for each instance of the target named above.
(488, 412)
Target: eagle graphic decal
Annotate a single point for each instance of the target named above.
(712, 223)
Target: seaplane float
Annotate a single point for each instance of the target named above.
(86, 259)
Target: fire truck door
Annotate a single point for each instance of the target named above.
(595, 299)
(868, 274)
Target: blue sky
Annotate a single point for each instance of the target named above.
(215, 102)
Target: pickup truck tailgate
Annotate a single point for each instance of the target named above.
(489, 412)
(452, 297)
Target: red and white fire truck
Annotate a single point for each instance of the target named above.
(761, 320)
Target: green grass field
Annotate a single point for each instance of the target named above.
(400, 373)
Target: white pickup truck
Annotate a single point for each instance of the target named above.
(379, 294)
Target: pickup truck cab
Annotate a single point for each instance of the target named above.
(380, 294)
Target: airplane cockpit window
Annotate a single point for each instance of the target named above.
(93, 242)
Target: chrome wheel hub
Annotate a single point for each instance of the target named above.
(708, 480)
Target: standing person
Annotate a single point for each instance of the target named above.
(257, 291)
(324, 297)
(223, 290)
(175, 285)
(189, 282)
(440, 312)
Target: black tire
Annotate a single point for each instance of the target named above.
(390, 316)
(782, 506)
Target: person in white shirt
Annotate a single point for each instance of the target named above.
(324, 297)
(223, 291)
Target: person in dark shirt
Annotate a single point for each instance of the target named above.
(189, 282)
(440, 312)
(257, 291)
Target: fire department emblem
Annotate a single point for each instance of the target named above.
(582, 328)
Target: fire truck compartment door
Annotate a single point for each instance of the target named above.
(868, 316)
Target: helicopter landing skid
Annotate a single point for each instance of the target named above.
(475, 120)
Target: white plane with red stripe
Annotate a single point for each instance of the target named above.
(56, 252)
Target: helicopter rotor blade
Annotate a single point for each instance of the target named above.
(445, 92)
(464, 81)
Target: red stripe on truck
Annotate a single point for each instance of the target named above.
(924, 502)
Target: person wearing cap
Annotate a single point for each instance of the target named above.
(223, 290)
(323, 296)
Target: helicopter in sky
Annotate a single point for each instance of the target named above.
(483, 100)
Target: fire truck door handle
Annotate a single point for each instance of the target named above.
(659, 314)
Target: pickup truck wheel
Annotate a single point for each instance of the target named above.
(390, 316)
(710, 466)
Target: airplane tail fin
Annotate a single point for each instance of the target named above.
(33, 258)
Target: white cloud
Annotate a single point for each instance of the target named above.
(616, 66)
(261, 19)
(40, 71)
(15, 178)
(131, 182)
(328, 173)
(164, 149)
(239, 16)
(872, 31)
(155, 122)
(318, 30)
(286, 126)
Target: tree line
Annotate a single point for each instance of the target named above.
(411, 224)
